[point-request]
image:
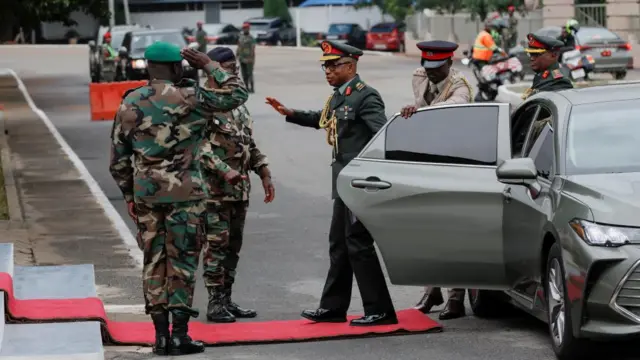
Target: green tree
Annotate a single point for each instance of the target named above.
(30, 13)
(277, 8)
(443, 7)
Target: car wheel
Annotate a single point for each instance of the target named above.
(487, 303)
(564, 343)
(620, 75)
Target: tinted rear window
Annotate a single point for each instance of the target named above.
(382, 28)
(604, 138)
(590, 35)
(339, 28)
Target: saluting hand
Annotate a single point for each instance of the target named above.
(195, 58)
(407, 111)
(277, 105)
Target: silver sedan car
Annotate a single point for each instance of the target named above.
(539, 209)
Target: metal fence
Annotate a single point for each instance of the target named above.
(460, 28)
(591, 14)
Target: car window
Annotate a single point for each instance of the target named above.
(591, 35)
(542, 152)
(141, 41)
(603, 138)
(543, 118)
(339, 28)
(259, 26)
(117, 38)
(383, 28)
(457, 135)
(520, 126)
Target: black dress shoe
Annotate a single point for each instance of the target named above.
(429, 300)
(453, 310)
(324, 315)
(375, 320)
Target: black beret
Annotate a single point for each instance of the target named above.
(221, 54)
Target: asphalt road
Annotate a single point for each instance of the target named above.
(285, 256)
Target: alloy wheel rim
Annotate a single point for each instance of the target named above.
(556, 302)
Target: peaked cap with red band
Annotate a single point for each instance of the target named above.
(436, 53)
(539, 44)
(334, 50)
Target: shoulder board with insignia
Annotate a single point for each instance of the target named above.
(360, 85)
(130, 91)
(557, 74)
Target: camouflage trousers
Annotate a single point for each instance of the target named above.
(453, 294)
(170, 237)
(246, 71)
(225, 228)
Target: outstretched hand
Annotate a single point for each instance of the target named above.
(277, 105)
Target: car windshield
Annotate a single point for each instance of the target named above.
(604, 138)
(116, 39)
(383, 28)
(213, 28)
(339, 28)
(591, 35)
(259, 26)
(141, 41)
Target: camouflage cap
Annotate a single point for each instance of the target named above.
(161, 51)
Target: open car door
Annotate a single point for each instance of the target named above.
(426, 189)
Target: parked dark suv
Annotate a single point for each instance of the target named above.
(351, 34)
(272, 31)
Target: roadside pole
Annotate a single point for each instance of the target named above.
(112, 11)
(298, 30)
(127, 14)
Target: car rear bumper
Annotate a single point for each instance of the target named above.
(383, 45)
(605, 302)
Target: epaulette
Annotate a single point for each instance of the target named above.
(557, 74)
(420, 72)
(130, 91)
(360, 85)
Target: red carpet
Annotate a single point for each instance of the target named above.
(141, 333)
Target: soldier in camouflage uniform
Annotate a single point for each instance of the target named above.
(160, 125)
(246, 53)
(227, 205)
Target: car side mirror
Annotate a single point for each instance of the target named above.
(520, 171)
(92, 45)
(193, 45)
(123, 52)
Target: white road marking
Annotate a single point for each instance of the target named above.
(118, 223)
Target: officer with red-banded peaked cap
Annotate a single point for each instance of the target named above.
(543, 52)
(436, 53)
(332, 50)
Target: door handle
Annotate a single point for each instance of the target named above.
(370, 183)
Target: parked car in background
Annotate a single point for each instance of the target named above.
(272, 31)
(351, 34)
(610, 52)
(386, 36)
(136, 42)
(539, 208)
(95, 46)
(217, 34)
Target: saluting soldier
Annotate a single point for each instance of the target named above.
(543, 52)
(435, 82)
(160, 126)
(352, 115)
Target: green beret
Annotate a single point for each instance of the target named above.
(161, 51)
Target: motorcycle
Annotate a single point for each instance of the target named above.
(576, 66)
(496, 73)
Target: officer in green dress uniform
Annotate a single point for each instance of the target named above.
(352, 115)
(543, 52)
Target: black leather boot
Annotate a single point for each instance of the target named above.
(161, 324)
(181, 342)
(216, 310)
(234, 309)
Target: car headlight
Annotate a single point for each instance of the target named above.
(604, 235)
(139, 64)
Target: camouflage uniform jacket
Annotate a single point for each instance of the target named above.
(246, 52)
(234, 144)
(162, 125)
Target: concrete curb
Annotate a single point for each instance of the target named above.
(10, 186)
